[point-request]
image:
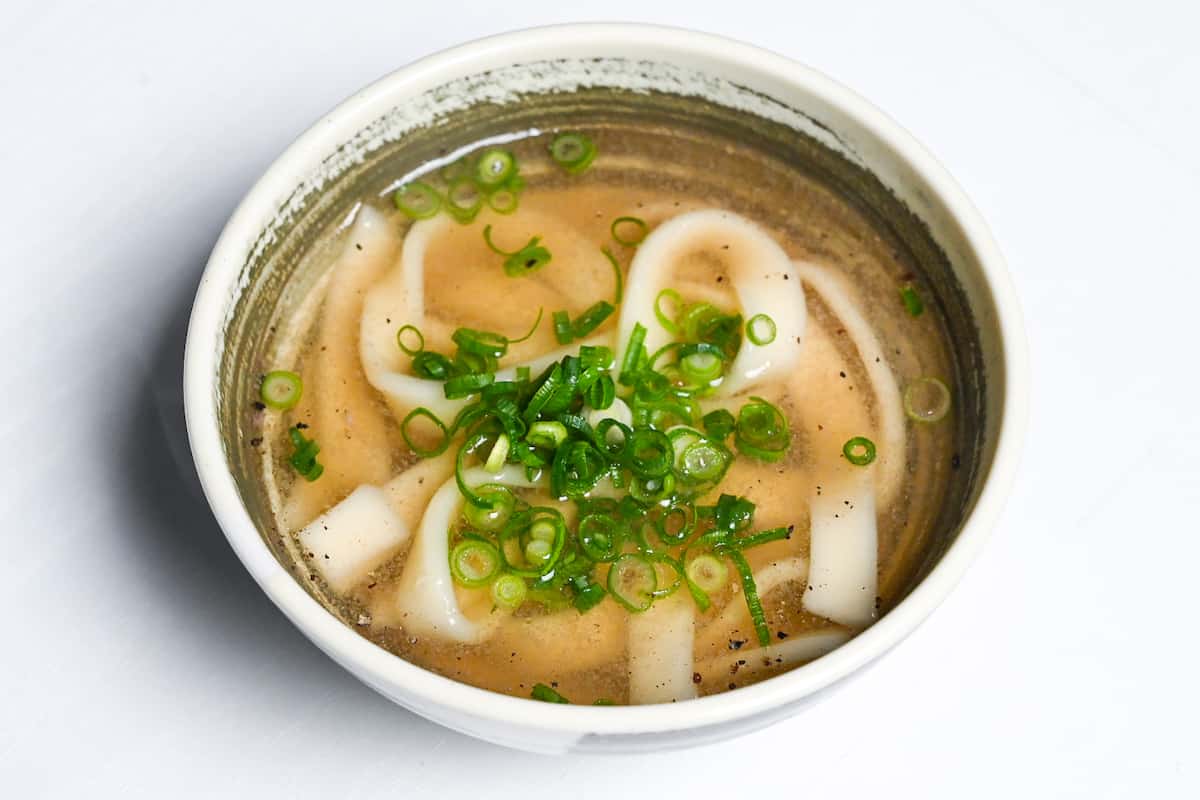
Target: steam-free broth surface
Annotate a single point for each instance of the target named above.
(764, 293)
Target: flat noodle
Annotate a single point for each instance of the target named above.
(661, 651)
(788, 654)
(762, 276)
(347, 421)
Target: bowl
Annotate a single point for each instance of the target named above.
(257, 267)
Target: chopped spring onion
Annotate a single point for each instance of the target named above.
(634, 231)
(927, 400)
(573, 152)
(912, 301)
(418, 200)
(592, 318)
(634, 354)
(480, 343)
(509, 591)
(503, 201)
(491, 518)
(578, 466)
(719, 424)
(701, 363)
(562, 327)
(600, 537)
(466, 385)
(763, 537)
(547, 695)
(432, 366)
(760, 329)
(529, 258)
(750, 589)
(617, 274)
(602, 394)
(859, 451)
(496, 458)
(304, 459)
(704, 461)
(762, 431)
(547, 433)
(463, 200)
(473, 563)
(413, 349)
(495, 167)
(632, 581)
(425, 452)
(665, 319)
(708, 572)
(281, 389)
(649, 453)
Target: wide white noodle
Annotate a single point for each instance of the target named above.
(661, 651)
(353, 536)
(762, 276)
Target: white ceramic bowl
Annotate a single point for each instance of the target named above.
(673, 60)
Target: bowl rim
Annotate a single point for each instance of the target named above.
(427, 692)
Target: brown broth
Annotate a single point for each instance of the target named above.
(652, 172)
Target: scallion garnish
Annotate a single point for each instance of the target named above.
(629, 231)
(574, 152)
(760, 329)
(503, 201)
(418, 200)
(463, 200)
(912, 301)
(591, 319)
(304, 455)
(762, 431)
(667, 319)
(432, 366)
(415, 346)
(926, 400)
(708, 572)
(859, 451)
(281, 390)
(473, 563)
(719, 424)
(618, 276)
(425, 452)
(632, 581)
(750, 590)
(467, 385)
(509, 591)
(495, 167)
(529, 258)
(547, 695)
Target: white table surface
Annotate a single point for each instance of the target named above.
(138, 659)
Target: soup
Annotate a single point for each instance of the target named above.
(629, 413)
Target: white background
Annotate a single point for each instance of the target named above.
(138, 659)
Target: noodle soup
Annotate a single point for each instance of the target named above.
(617, 414)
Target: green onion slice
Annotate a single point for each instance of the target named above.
(629, 231)
(562, 327)
(912, 301)
(618, 276)
(600, 537)
(547, 695)
(927, 400)
(304, 459)
(573, 152)
(463, 200)
(719, 424)
(708, 572)
(529, 258)
(509, 591)
(760, 329)
(632, 581)
(281, 389)
(762, 431)
(413, 349)
(425, 452)
(503, 201)
(498, 455)
(418, 200)
(466, 385)
(665, 319)
(592, 318)
(495, 167)
(473, 563)
(859, 451)
(547, 433)
(495, 516)
(432, 366)
(750, 589)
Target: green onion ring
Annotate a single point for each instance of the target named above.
(637, 238)
(425, 452)
(760, 329)
(859, 451)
